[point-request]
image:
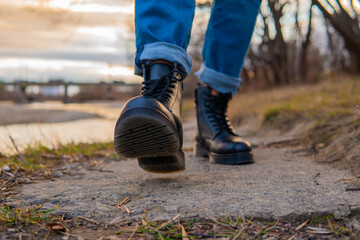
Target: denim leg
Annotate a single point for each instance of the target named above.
(162, 29)
(226, 43)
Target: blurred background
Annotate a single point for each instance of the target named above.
(92, 41)
(76, 51)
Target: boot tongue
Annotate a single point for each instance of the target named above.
(221, 99)
(158, 70)
(219, 104)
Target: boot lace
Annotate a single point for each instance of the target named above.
(216, 108)
(162, 88)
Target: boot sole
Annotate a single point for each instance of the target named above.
(146, 134)
(166, 164)
(225, 159)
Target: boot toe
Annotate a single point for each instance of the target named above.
(221, 147)
(242, 147)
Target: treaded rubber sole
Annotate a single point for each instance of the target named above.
(226, 159)
(167, 164)
(145, 133)
(148, 135)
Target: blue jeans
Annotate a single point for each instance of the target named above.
(163, 30)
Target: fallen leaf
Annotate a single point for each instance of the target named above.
(56, 226)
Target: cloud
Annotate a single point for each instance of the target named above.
(98, 31)
(24, 27)
(69, 55)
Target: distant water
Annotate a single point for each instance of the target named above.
(53, 134)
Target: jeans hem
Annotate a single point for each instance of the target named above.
(219, 81)
(164, 51)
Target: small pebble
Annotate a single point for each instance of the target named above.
(342, 212)
(6, 168)
(47, 206)
(354, 224)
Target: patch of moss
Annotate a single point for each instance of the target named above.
(322, 219)
(338, 113)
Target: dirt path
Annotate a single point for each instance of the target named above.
(282, 182)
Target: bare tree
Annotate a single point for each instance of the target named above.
(273, 50)
(346, 23)
(303, 63)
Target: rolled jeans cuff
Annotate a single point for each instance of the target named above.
(164, 51)
(219, 81)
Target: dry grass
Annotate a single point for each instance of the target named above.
(328, 113)
(323, 101)
(40, 163)
(222, 227)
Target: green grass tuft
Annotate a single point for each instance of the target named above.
(17, 216)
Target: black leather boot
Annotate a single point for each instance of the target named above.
(215, 137)
(149, 126)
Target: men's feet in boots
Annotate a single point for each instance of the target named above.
(215, 137)
(149, 126)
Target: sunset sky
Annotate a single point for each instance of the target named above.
(75, 40)
(86, 40)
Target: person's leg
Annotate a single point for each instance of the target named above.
(226, 42)
(163, 31)
(149, 126)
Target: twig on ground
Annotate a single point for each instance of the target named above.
(239, 233)
(9, 174)
(315, 180)
(302, 225)
(183, 233)
(216, 221)
(17, 169)
(292, 237)
(125, 209)
(21, 158)
(169, 221)
(330, 225)
(47, 235)
(352, 189)
(228, 215)
(67, 234)
(17, 150)
(89, 220)
(269, 228)
(319, 230)
(124, 229)
(136, 228)
(126, 200)
(346, 180)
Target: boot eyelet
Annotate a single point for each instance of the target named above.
(177, 76)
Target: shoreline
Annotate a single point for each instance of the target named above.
(54, 123)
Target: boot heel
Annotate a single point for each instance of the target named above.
(165, 164)
(200, 151)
